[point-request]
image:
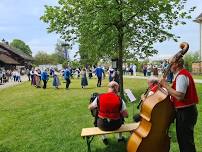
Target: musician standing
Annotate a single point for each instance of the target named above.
(184, 96)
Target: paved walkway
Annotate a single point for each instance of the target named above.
(142, 77)
(12, 83)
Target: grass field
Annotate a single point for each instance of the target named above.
(37, 120)
(197, 76)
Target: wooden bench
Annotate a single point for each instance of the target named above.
(89, 133)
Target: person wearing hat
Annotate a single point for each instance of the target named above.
(111, 110)
(184, 97)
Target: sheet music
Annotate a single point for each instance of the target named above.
(130, 95)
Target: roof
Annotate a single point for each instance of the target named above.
(199, 19)
(16, 51)
(8, 60)
(2, 51)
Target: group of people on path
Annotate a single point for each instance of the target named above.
(10, 75)
(156, 70)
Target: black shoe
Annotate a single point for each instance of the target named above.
(122, 139)
(136, 118)
(105, 141)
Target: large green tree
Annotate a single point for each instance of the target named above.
(43, 58)
(116, 27)
(190, 58)
(19, 44)
(59, 54)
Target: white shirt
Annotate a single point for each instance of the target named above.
(134, 68)
(94, 104)
(182, 83)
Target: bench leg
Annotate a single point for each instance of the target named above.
(88, 141)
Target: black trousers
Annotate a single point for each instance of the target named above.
(67, 83)
(185, 121)
(99, 81)
(44, 84)
(109, 125)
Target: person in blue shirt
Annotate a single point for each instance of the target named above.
(56, 81)
(44, 78)
(52, 72)
(67, 75)
(99, 72)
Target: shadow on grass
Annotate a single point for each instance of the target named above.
(113, 146)
(87, 88)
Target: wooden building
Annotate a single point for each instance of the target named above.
(11, 57)
(197, 66)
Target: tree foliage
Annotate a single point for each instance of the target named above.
(116, 27)
(55, 58)
(43, 58)
(190, 58)
(19, 44)
(97, 23)
(61, 46)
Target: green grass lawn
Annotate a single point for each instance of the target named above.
(37, 120)
(197, 76)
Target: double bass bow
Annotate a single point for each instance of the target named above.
(145, 94)
(157, 113)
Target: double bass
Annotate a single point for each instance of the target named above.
(157, 113)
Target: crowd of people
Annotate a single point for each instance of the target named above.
(39, 78)
(157, 70)
(10, 76)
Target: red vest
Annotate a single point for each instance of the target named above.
(154, 88)
(109, 106)
(191, 97)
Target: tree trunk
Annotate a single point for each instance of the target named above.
(120, 28)
(120, 60)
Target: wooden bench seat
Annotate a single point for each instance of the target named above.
(89, 133)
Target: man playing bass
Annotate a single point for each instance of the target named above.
(184, 97)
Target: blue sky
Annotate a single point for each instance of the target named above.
(20, 19)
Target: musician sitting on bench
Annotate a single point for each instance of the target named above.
(111, 110)
(152, 82)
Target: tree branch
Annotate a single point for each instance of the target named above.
(133, 16)
(103, 31)
(117, 2)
